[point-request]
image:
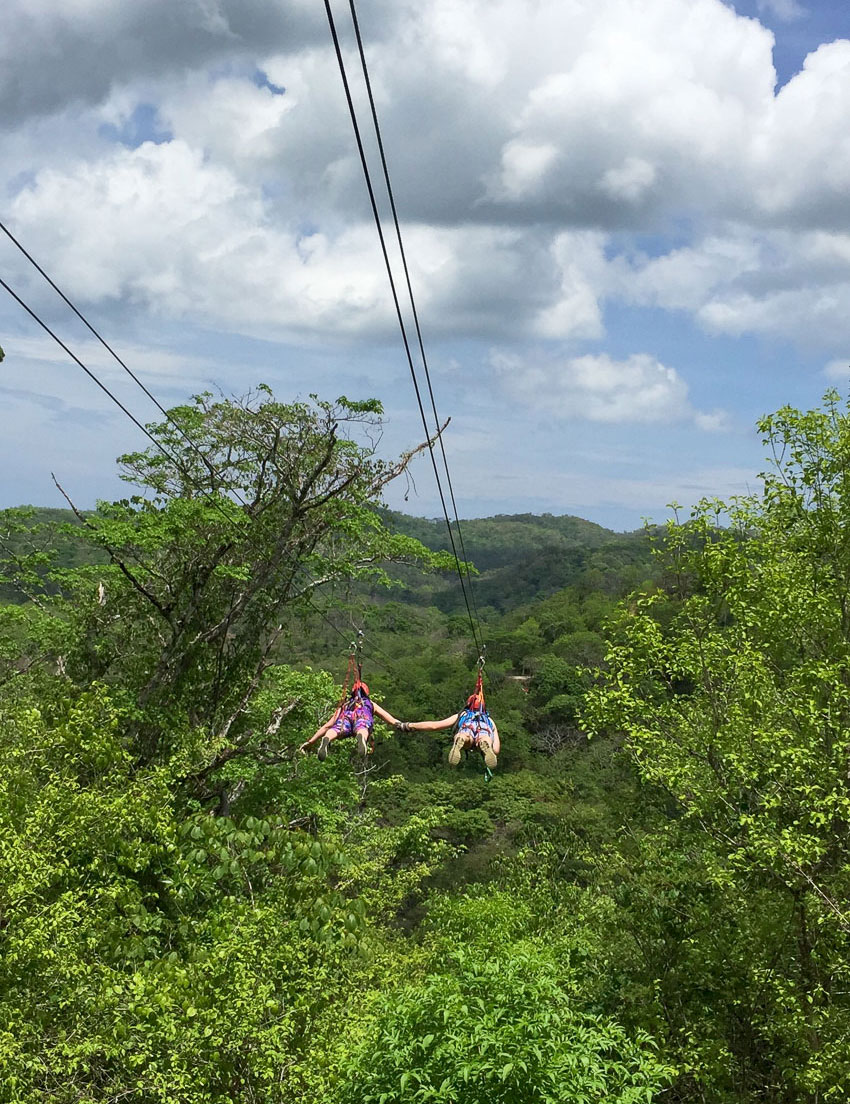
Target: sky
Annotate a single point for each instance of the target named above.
(627, 224)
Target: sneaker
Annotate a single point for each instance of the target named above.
(362, 745)
(456, 750)
(486, 747)
(324, 744)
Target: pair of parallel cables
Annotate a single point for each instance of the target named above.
(466, 584)
(229, 518)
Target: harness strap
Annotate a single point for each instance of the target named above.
(348, 673)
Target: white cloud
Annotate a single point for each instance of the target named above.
(793, 284)
(523, 166)
(686, 278)
(713, 421)
(800, 162)
(838, 370)
(504, 145)
(575, 311)
(786, 11)
(90, 46)
(164, 228)
(648, 108)
(629, 181)
(598, 388)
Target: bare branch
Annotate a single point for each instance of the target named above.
(115, 558)
(254, 683)
(241, 748)
(405, 458)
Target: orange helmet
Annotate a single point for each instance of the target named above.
(361, 686)
(475, 701)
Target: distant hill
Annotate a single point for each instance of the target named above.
(73, 551)
(519, 557)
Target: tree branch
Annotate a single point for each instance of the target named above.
(405, 458)
(115, 558)
(241, 748)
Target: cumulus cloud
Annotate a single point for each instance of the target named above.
(645, 109)
(713, 421)
(575, 310)
(79, 51)
(166, 229)
(506, 145)
(598, 388)
(838, 370)
(793, 284)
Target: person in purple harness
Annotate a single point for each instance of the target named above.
(475, 729)
(355, 717)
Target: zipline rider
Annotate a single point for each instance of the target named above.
(475, 729)
(354, 716)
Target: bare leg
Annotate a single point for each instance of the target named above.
(461, 741)
(486, 745)
(326, 742)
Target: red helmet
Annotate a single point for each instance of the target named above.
(475, 701)
(361, 686)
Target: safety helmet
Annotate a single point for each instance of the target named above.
(362, 687)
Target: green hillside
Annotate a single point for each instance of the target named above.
(518, 557)
(644, 901)
(521, 557)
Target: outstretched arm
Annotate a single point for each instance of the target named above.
(319, 733)
(384, 715)
(433, 726)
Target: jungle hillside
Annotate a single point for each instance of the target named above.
(645, 900)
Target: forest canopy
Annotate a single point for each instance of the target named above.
(646, 902)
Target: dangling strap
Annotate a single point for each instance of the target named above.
(346, 681)
(355, 667)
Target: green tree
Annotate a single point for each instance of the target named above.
(739, 706)
(149, 948)
(496, 1017)
(247, 509)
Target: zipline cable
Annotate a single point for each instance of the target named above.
(414, 311)
(382, 240)
(93, 376)
(107, 346)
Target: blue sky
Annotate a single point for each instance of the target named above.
(627, 226)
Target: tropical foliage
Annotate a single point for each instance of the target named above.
(647, 902)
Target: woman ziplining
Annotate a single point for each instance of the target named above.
(354, 717)
(475, 729)
(355, 714)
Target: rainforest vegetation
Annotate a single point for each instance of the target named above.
(648, 901)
